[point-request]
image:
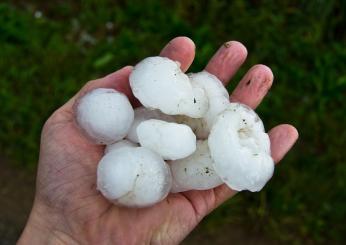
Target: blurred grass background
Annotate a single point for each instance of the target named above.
(49, 49)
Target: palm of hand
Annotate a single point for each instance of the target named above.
(68, 161)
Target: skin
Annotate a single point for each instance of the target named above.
(69, 210)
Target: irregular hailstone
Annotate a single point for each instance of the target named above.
(218, 99)
(216, 92)
(105, 115)
(241, 149)
(159, 83)
(170, 140)
(195, 172)
(133, 177)
(142, 114)
(118, 145)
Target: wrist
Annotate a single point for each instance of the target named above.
(44, 227)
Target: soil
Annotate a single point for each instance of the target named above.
(17, 192)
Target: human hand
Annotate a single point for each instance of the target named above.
(68, 209)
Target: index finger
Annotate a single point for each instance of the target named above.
(181, 49)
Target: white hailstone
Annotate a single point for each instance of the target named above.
(133, 177)
(171, 140)
(105, 115)
(195, 172)
(118, 145)
(143, 114)
(218, 99)
(159, 83)
(241, 149)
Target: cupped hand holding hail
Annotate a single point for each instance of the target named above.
(68, 209)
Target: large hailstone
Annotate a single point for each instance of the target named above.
(195, 172)
(133, 177)
(105, 115)
(241, 149)
(159, 83)
(218, 101)
(143, 114)
(171, 140)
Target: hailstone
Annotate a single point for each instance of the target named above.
(171, 140)
(142, 114)
(218, 101)
(133, 177)
(159, 83)
(196, 172)
(105, 115)
(241, 149)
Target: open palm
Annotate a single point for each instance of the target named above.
(67, 204)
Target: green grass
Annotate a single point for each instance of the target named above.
(44, 61)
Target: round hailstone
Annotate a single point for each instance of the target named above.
(218, 99)
(159, 83)
(133, 177)
(171, 140)
(105, 115)
(241, 149)
(118, 145)
(195, 172)
(143, 114)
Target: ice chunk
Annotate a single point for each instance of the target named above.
(170, 140)
(159, 83)
(133, 177)
(195, 172)
(105, 115)
(143, 114)
(241, 149)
